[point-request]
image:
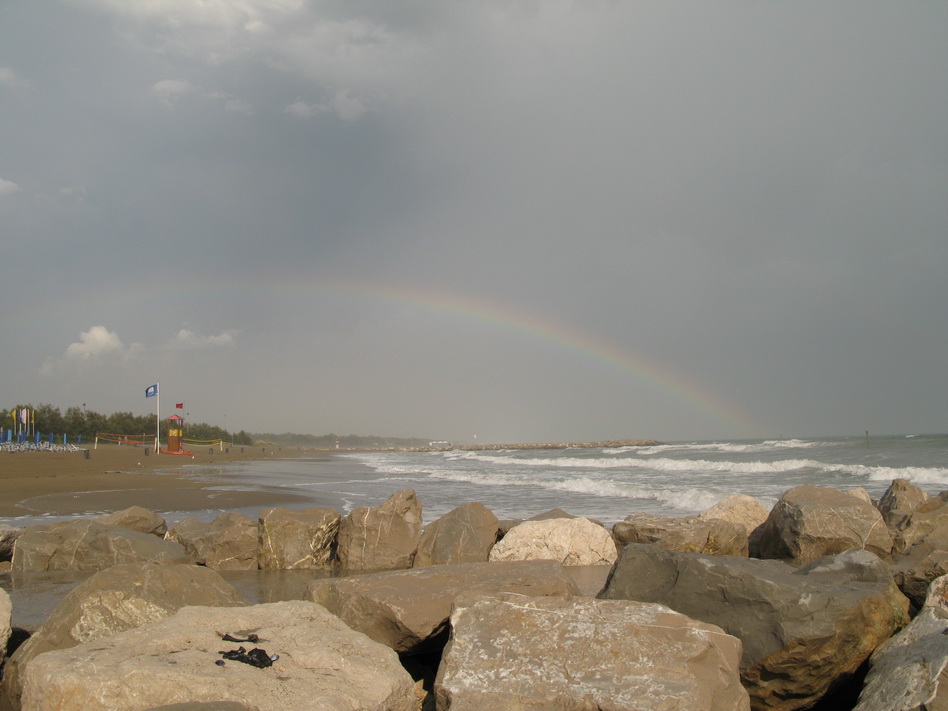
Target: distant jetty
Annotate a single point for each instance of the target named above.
(553, 445)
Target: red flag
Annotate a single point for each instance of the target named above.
(180, 406)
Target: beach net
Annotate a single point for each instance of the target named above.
(206, 443)
(125, 439)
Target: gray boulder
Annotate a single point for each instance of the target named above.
(136, 518)
(89, 545)
(741, 509)
(8, 536)
(114, 600)
(382, 538)
(690, 534)
(322, 665)
(803, 630)
(290, 540)
(860, 492)
(900, 500)
(908, 672)
(925, 561)
(928, 516)
(577, 654)
(6, 617)
(229, 542)
(464, 535)
(809, 522)
(409, 610)
(552, 513)
(569, 541)
(205, 706)
(505, 525)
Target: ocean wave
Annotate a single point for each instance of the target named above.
(727, 447)
(681, 499)
(918, 475)
(928, 475)
(655, 463)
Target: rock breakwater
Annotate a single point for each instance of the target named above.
(781, 620)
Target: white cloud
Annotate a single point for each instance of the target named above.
(77, 192)
(169, 91)
(343, 104)
(232, 103)
(100, 345)
(8, 187)
(324, 45)
(305, 110)
(189, 340)
(238, 106)
(97, 341)
(247, 14)
(8, 77)
(348, 108)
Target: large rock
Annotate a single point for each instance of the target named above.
(900, 500)
(513, 652)
(570, 541)
(8, 536)
(6, 617)
(804, 630)
(809, 522)
(322, 665)
(408, 610)
(741, 509)
(229, 542)
(464, 535)
(382, 538)
(204, 706)
(297, 539)
(860, 492)
(690, 534)
(89, 545)
(114, 600)
(928, 516)
(136, 518)
(925, 561)
(908, 672)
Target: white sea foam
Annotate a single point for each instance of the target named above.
(506, 469)
(671, 479)
(685, 500)
(919, 475)
(736, 447)
(654, 463)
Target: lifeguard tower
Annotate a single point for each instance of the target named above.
(175, 433)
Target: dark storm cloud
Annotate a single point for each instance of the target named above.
(748, 196)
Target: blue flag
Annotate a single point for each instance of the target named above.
(151, 391)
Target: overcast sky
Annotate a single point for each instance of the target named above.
(515, 220)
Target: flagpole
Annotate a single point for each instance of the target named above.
(157, 415)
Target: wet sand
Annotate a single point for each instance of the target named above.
(115, 477)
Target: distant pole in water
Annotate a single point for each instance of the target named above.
(867, 438)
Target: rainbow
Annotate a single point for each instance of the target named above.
(475, 309)
(503, 316)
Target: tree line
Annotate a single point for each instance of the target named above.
(87, 423)
(78, 421)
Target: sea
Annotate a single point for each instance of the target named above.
(603, 483)
(606, 484)
(610, 483)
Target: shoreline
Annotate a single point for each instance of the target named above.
(114, 477)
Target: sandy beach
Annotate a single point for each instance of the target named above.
(115, 477)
